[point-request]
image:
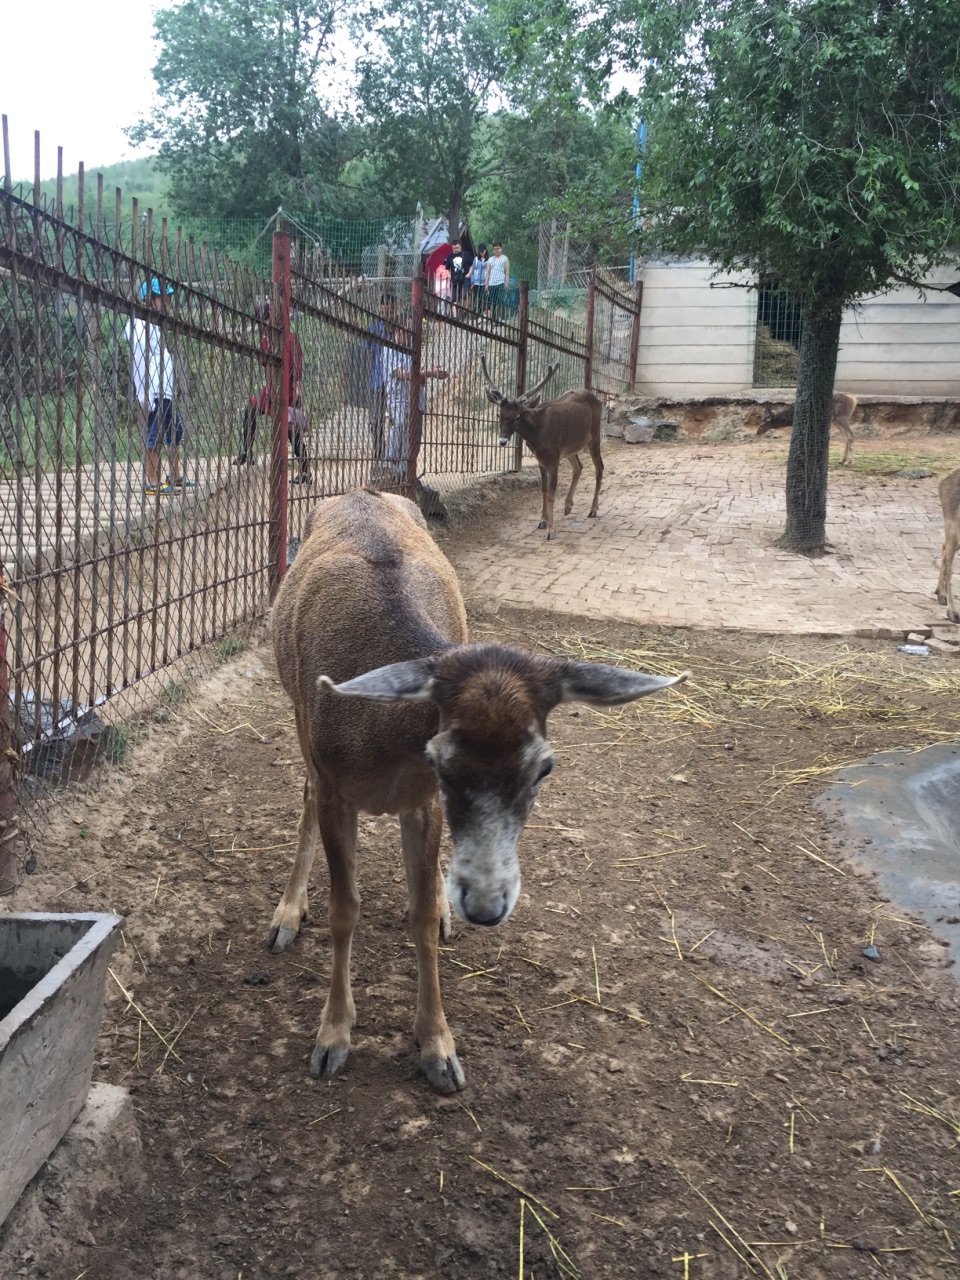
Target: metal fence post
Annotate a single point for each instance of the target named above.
(415, 417)
(591, 318)
(9, 829)
(523, 323)
(279, 382)
(635, 336)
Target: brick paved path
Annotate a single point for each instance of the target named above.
(686, 537)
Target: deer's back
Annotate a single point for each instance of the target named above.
(368, 587)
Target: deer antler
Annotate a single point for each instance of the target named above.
(494, 393)
(529, 395)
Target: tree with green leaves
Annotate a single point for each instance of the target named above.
(816, 140)
(428, 77)
(241, 123)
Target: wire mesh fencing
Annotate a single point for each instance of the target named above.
(168, 416)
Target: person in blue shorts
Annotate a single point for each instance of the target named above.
(152, 373)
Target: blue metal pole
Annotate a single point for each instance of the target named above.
(641, 147)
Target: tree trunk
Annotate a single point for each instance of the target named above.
(810, 442)
(453, 216)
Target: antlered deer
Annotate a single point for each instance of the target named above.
(950, 501)
(396, 713)
(842, 406)
(556, 430)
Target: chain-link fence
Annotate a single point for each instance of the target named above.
(167, 418)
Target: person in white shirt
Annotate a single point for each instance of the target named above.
(397, 372)
(152, 373)
(498, 277)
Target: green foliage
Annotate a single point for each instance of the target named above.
(240, 124)
(426, 82)
(228, 648)
(141, 180)
(819, 140)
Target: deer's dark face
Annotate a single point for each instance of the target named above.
(490, 758)
(512, 414)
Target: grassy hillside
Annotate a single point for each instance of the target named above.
(135, 178)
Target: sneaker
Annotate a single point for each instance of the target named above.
(183, 484)
(151, 490)
(304, 478)
(240, 460)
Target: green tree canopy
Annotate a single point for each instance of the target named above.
(427, 80)
(815, 139)
(241, 124)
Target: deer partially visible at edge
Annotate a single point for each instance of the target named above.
(396, 713)
(553, 431)
(842, 406)
(950, 501)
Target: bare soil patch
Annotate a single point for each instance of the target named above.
(675, 1045)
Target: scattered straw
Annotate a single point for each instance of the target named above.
(746, 1013)
(326, 1116)
(596, 973)
(464, 1107)
(733, 1231)
(132, 1004)
(516, 1187)
(907, 1196)
(816, 857)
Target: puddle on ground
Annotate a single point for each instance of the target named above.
(907, 805)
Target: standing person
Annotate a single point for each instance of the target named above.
(498, 276)
(458, 262)
(152, 372)
(478, 279)
(398, 370)
(261, 405)
(381, 328)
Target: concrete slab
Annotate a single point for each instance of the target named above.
(52, 1225)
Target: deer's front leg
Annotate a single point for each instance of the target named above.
(543, 495)
(338, 830)
(552, 477)
(420, 836)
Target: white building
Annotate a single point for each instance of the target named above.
(699, 337)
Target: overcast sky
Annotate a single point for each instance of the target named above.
(79, 71)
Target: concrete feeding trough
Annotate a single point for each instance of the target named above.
(53, 970)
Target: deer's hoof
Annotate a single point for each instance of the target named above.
(445, 1074)
(328, 1060)
(592, 515)
(550, 536)
(280, 937)
(953, 615)
(567, 510)
(542, 524)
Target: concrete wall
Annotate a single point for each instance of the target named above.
(697, 338)
(904, 343)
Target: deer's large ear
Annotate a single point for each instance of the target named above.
(495, 397)
(531, 404)
(606, 686)
(411, 680)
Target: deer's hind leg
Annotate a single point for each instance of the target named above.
(577, 465)
(951, 542)
(544, 486)
(292, 909)
(420, 835)
(847, 458)
(594, 447)
(338, 830)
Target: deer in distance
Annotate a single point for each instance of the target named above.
(949, 491)
(396, 713)
(553, 431)
(842, 407)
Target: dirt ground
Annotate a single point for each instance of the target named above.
(679, 1061)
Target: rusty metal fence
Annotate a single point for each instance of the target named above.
(168, 418)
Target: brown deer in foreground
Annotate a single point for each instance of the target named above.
(950, 501)
(842, 406)
(553, 431)
(396, 713)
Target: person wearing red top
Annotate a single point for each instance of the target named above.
(262, 404)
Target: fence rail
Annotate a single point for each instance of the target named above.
(168, 418)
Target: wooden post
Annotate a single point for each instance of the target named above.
(635, 336)
(523, 321)
(591, 316)
(415, 417)
(279, 382)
